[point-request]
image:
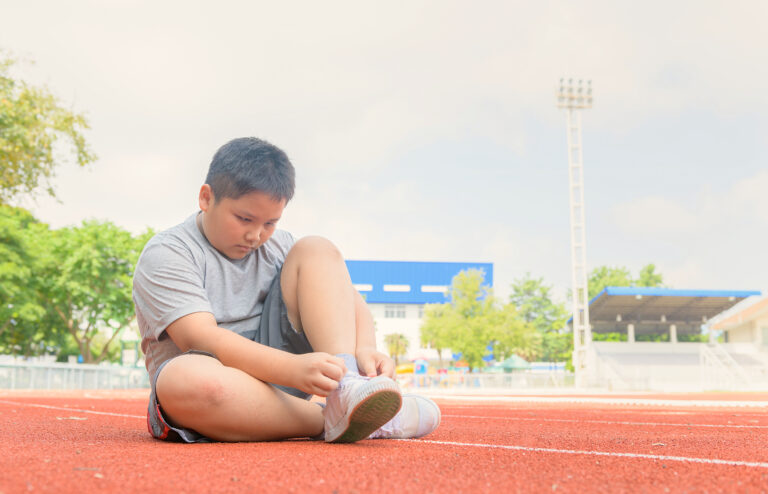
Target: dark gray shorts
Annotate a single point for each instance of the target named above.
(275, 330)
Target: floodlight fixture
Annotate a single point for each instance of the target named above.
(574, 94)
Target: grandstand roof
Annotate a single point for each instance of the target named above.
(652, 310)
(410, 282)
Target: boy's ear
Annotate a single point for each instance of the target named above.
(206, 197)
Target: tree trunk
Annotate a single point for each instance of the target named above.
(105, 348)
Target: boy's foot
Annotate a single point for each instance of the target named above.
(418, 417)
(359, 406)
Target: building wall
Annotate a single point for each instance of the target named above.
(405, 319)
(761, 328)
(743, 334)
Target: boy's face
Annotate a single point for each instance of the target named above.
(235, 227)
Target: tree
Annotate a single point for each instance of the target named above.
(433, 329)
(649, 277)
(468, 318)
(88, 280)
(513, 335)
(60, 285)
(397, 345)
(472, 320)
(533, 301)
(23, 316)
(604, 276)
(460, 324)
(32, 125)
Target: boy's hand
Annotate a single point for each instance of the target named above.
(318, 373)
(373, 363)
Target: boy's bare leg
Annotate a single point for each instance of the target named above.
(319, 296)
(226, 404)
(320, 301)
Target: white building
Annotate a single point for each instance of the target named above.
(397, 291)
(748, 327)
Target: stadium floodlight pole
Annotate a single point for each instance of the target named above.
(575, 95)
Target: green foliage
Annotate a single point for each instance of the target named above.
(557, 346)
(513, 335)
(609, 336)
(434, 329)
(649, 277)
(694, 338)
(604, 276)
(652, 337)
(533, 300)
(62, 286)
(89, 271)
(32, 123)
(472, 320)
(397, 345)
(23, 314)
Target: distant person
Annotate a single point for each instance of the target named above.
(241, 324)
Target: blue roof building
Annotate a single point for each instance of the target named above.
(408, 282)
(396, 292)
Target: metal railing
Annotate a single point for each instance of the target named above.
(70, 376)
(495, 381)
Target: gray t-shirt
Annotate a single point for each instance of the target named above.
(180, 272)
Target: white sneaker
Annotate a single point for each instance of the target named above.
(359, 406)
(418, 417)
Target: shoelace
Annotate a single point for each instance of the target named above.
(349, 376)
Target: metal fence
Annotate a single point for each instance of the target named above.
(70, 376)
(25, 375)
(495, 381)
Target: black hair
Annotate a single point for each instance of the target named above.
(249, 164)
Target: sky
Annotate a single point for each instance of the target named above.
(428, 130)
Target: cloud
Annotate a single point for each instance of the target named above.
(716, 241)
(133, 191)
(352, 90)
(750, 197)
(655, 216)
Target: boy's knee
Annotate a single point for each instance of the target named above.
(314, 246)
(188, 384)
(210, 392)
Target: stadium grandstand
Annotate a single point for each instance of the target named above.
(397, 291)
(661, 339)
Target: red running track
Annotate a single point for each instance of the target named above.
(97, 441)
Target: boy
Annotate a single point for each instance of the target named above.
(241, 324)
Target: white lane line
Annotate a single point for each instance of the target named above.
(605, 401)
(732, 426)
(685, 459)
(94, 412)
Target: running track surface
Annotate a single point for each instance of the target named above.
(97, 441)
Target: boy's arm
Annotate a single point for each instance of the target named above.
(371, 361)
(316, 373)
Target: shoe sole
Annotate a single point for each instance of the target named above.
(377, 405)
